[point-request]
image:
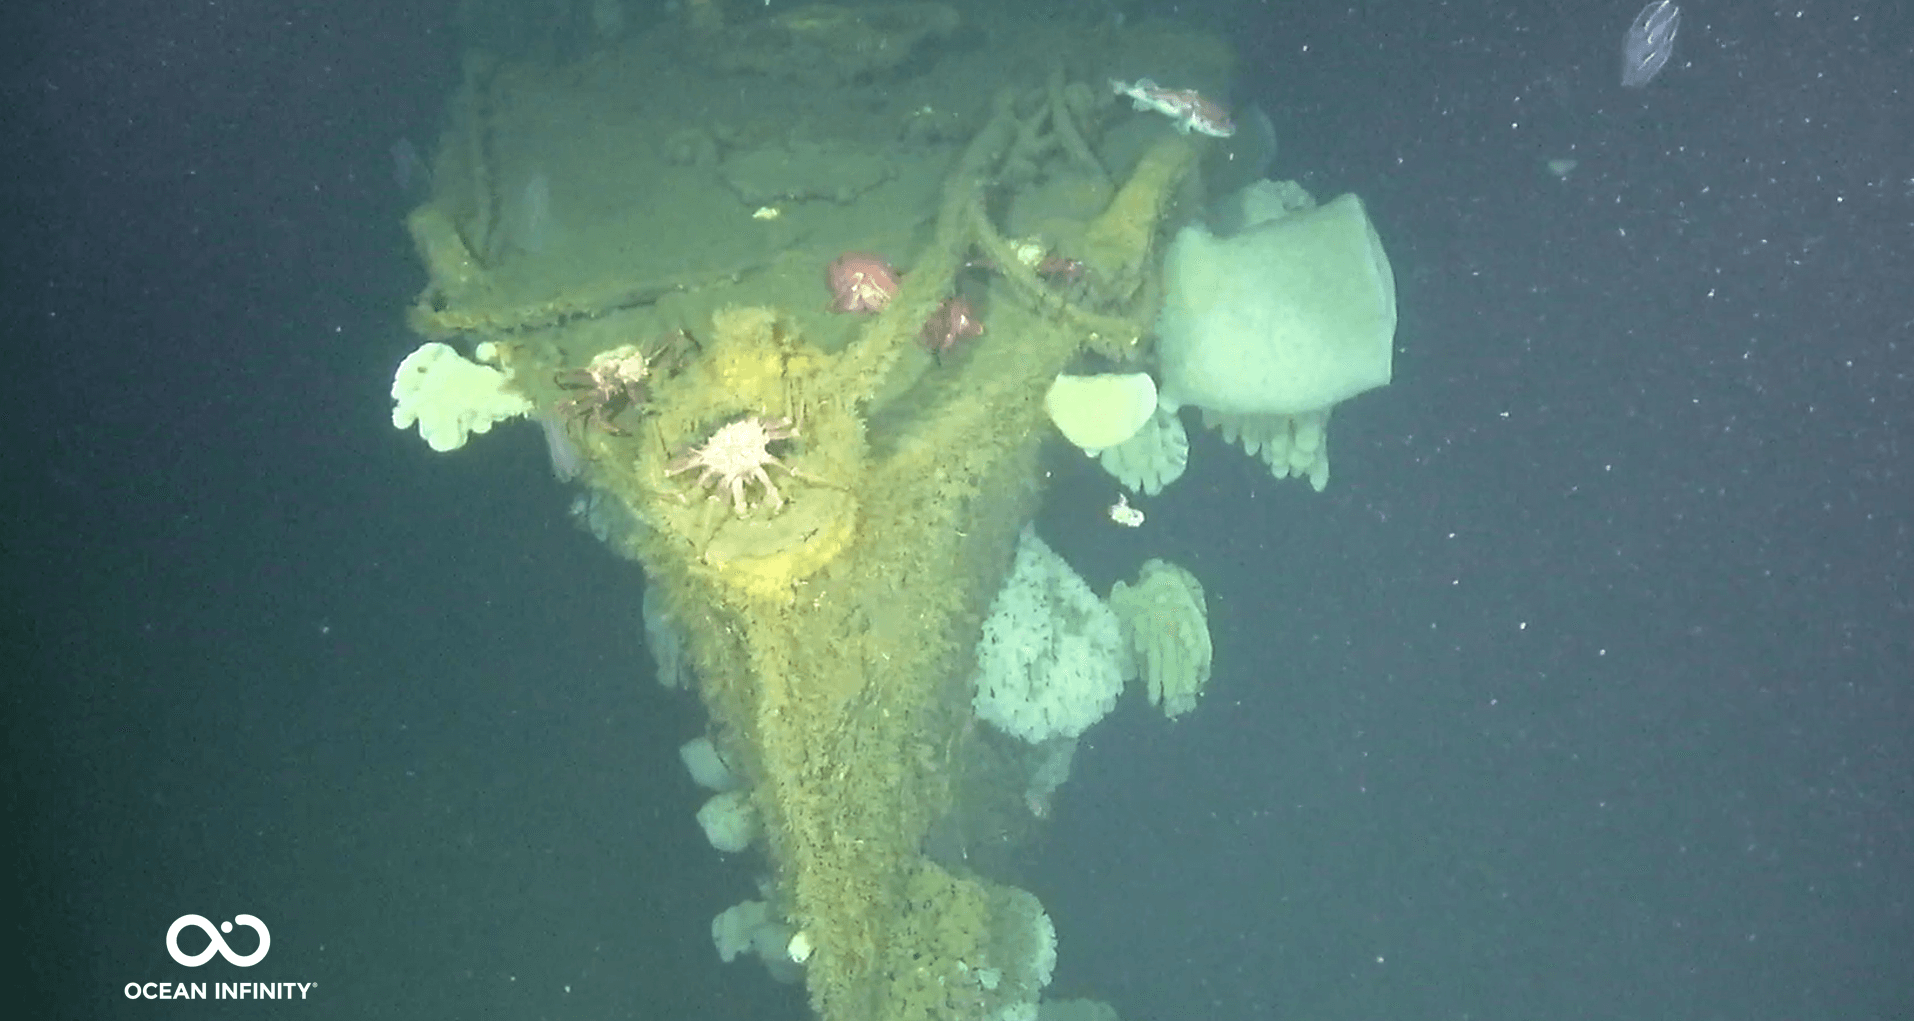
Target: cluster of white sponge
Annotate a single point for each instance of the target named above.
(450, 398)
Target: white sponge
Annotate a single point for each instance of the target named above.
(736, 927)
(451, 398)
(1153, 458)
(750, 927)
(1099, 412)
(1051, 660)
(1290, 316)
(729, 821)
(706, 766)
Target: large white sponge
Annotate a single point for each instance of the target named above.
(1289, 316)
(451, 398)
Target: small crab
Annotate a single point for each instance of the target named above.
(615, 381)
(954, 320)
(1055, 267)
(735, 455)
(1035, 256)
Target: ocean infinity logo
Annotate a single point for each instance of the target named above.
(218, 945)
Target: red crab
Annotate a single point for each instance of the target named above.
(953, 321)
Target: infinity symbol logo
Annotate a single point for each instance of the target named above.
(217, 946)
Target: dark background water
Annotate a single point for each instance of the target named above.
(1583, 692)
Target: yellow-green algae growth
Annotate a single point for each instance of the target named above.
(832, 637)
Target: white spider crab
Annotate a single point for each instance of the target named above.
(737, 454)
